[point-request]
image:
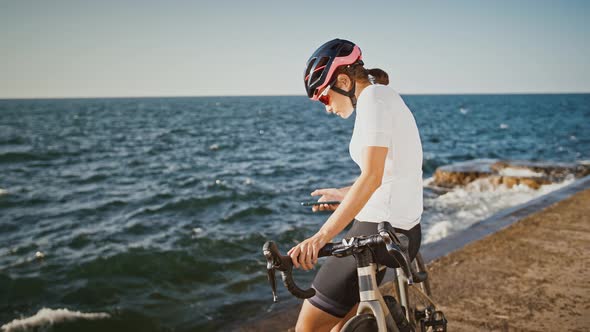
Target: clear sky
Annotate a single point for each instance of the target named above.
(201, 48)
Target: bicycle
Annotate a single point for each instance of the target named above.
(413, 307)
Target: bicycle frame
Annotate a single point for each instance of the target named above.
(429, 316)
(372, 302)
(371, 299)
(402, 289)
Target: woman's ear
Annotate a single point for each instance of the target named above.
(344, 82)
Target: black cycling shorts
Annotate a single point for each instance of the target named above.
(336, 283)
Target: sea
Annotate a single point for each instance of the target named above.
(149, 214)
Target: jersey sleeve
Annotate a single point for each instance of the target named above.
(377, 124)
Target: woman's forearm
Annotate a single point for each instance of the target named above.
(345, 190)
(355, 199)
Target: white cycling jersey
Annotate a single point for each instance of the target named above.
(383, 119)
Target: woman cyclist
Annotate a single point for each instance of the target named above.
(385, 144)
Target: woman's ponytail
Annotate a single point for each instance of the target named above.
(378, 76)
(361, 74)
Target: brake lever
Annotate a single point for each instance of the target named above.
(275, 261)
(270, 251)
(273, 285)
(395, 251)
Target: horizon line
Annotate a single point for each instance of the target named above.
(294, 95)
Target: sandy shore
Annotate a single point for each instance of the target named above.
(531, 276)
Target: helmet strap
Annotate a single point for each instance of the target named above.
(349, 94)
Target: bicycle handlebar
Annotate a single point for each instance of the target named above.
(396, 244)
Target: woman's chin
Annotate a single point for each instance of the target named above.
(344, 116)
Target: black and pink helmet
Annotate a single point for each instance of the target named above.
(323, 63)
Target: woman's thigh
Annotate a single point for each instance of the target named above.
(314, 319)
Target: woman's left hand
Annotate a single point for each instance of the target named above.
(305, 254)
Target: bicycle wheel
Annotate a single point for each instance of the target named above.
(361, 323)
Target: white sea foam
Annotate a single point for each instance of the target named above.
(519, 172)
(3, 192)
(437, 231)
(463, 206)
(198, 232)
(49, 317)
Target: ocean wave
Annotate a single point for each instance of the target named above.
(14, 157)
(18, 157)
(13, 199)
(119, 320)
(12, 141)
(20, 261)
(186, 204)
(88, 208)
(49, 317)
(247, 212)
(80, 241)
(244, 284)
(142, 264)
(461, 207)
(91, 178)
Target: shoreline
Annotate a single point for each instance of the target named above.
(500, 220)
(457, 272)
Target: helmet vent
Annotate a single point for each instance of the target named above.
(319, 69)
(309, 66)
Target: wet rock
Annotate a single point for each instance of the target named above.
(508, 173)
(511, 181)
(555, 172)
(460, 174)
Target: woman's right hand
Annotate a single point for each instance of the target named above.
(328, 194)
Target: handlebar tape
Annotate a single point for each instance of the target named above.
(286, 268)
(292, 287)
(284, 264)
